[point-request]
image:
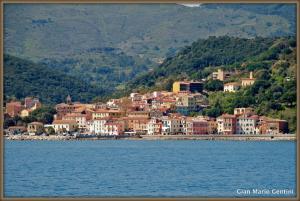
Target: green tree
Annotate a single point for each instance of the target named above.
(214, 85)
(50, 131)
(43, 114)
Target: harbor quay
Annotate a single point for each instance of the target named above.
(286, 137)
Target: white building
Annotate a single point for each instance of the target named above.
(247, 124)
(231, 87)
(171, 125)
(156, 94)
(106, 126)
(154, 127)
(97, 126)
(220, 125)
(136, 97)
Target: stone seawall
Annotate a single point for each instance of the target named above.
(220, 137)
(288, 137)
(28, 137)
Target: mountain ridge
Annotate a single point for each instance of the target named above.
(114, 43)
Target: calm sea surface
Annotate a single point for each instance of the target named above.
(148, 168)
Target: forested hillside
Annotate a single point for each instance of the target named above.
(113, 43)
(191, 62)
(24, 78)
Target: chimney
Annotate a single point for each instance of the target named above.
(251, 75)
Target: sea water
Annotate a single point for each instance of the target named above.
(138, 168)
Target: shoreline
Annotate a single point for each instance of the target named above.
(286, 137)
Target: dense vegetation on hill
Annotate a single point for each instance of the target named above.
(24, 78)
(287, 11)
(191, 62)
(113, 43)
(273, 62)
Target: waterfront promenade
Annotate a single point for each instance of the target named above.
(287, 137)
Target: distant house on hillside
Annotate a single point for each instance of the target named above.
(221, 75)
(231, 87)
(248, 81)
(192, 87)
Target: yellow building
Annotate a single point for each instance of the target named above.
(248, 81)
(243, 110)
(100, 113)
(34, 128)
(25, 113)
(180, 86)
(64, 125)
(192, 87)
(220, 75)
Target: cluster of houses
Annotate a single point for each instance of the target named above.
(155, 113)
(16, 108)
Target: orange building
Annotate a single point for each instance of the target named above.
(212, 126)
(137, 124)
(273, 126)
(63, 109)
(81, 119)
(100, 113)
(226, 124)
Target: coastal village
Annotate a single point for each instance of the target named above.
(156, 113)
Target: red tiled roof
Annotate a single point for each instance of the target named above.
(36, 123)
(228, 116)
(136, 118)
(103, 118)
(247, 78)
(21, 127)
(232, 83)
(75, 115)
(106, 111)
(112, 123)
(64, 122)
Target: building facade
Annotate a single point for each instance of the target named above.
(35, 128)
(248, 81)
(247, 124)
(64, 125)
(226, 124)
(231, 87)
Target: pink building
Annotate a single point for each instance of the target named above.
(197, 127)
(114, 128)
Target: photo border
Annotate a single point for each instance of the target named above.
(2, 2)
